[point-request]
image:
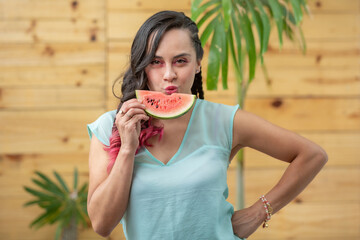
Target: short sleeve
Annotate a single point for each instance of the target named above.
(102, 127)
(214, 123)
(223, 121)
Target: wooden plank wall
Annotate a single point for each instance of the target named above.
(58, 60)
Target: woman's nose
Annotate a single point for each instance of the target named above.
(170, 74)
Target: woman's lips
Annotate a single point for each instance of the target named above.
(171, 89)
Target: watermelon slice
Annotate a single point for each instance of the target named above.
(162, 106)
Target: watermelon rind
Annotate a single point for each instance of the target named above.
(140, 94)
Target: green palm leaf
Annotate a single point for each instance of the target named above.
(245, 26)
(59, 205)
(207, 15)
(46, 217)
(232, 48)
(224, 49)
(214, 59)
(207, 32)
(61, 181)
(225, 63)
(266, 26)
(196, 11)
(297, 11)
(40, 195)
(276, 11)
(49, 183)
(75, 179)
(81, 215)
(238, 47)
(305, 6)
(195, 4)
(48, 189)
(83, 189)
(259, 26)
(41, 203)
(227, 7)
(302, 41)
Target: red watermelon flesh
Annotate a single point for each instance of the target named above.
(164, 106)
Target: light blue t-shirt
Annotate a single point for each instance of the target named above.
(184, 199)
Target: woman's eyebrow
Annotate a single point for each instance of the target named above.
(183, 55)
(177, 56)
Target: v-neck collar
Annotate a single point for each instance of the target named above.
(182, 142)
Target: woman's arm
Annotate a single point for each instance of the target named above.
(305, 157)
(108, 194)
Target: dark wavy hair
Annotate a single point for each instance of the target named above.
(142, 53)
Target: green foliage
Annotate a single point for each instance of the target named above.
(227, 25)
(59, 203)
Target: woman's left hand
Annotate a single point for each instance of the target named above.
(247, 220)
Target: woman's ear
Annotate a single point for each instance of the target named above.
(198, 68)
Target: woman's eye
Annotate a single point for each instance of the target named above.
(154, 62)
(181, 61)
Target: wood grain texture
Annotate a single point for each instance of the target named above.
(329, 182)
(44, 30)
(342, 149)
(118, 62)
(55, 9)
(155, 5)
(52, 54)
(58, 60)
(309, 114)
(50, 131)
(332, 26)
(51, 98)
(118, 30)
(328, 208)
(333, 6)
(76, 75)
(314, 221)
(304, 114)
(305, 82)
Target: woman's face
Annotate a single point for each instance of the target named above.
(174, 66)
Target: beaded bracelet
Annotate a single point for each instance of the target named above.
(268, 210)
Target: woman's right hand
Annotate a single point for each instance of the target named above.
(128, 121)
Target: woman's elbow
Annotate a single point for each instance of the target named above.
(99, 224)
(320, 156)
(101, 228)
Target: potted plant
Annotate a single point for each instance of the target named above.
(227, 25)
(63, 206)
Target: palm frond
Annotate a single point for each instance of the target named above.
(49, 183)
(61, 181)
(40, 195)
(55, 199)
(75, 186)
(236, 18)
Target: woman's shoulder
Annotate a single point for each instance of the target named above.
(102, 126)
(216, 107)
(107, 116)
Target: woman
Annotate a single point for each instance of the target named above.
(166, 179)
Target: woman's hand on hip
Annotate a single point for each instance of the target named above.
(128, 121)
(247, 220)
